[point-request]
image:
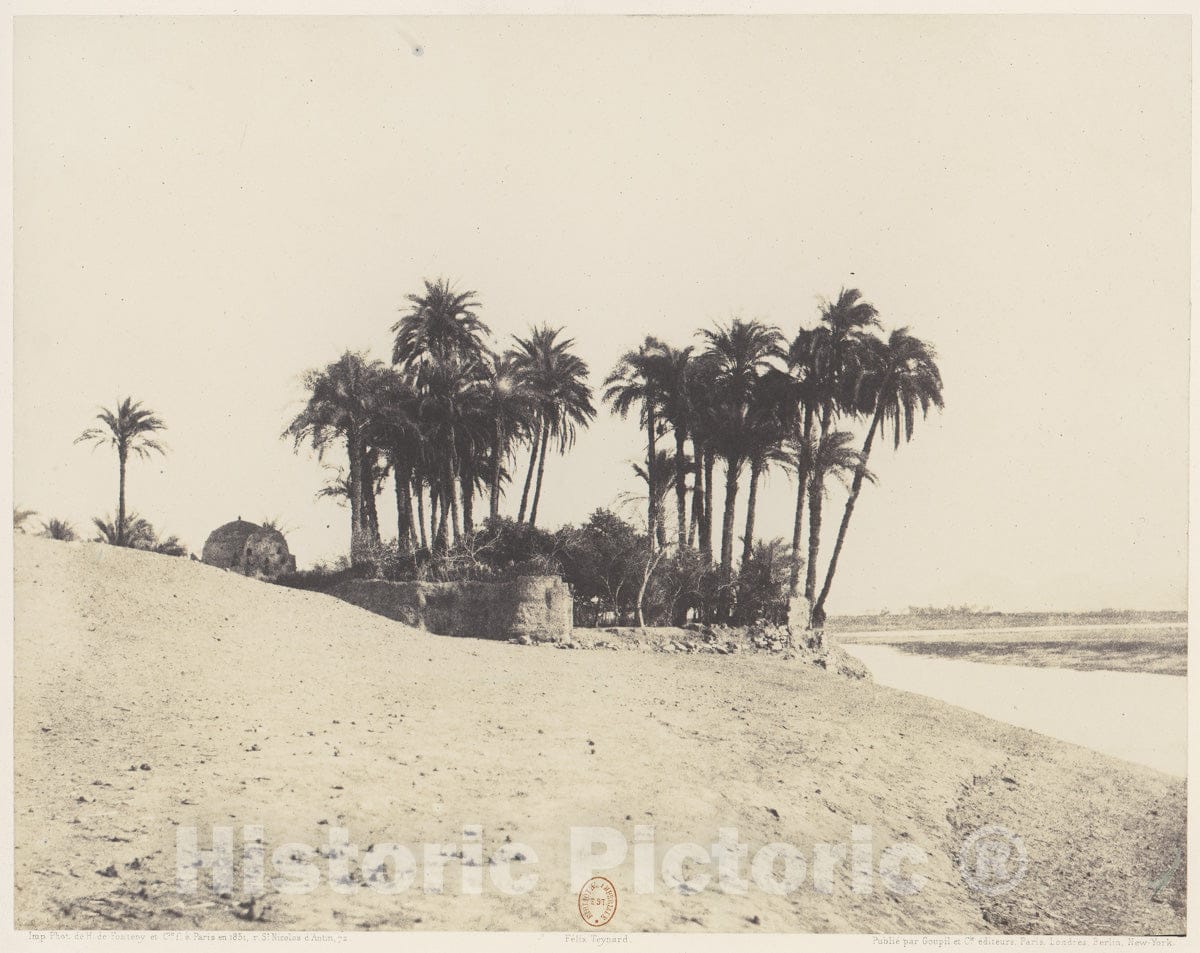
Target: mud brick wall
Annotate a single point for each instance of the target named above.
(537, 607)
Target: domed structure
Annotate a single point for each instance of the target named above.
(252, 550)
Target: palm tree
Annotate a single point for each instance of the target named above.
(832, 457)
(555, 379)
(450, 394)
(701, 389)
(676, 374)
(21, 517)
(828, 359)
(342, 398)
(129, 430)
(394, 426)
(801, 362)
(664, 466)
(638, 380)
(510, 409)
(845, 324)
(900, 377)
(768, 422)
(440, 325)
(336, 489)
(740, 353)
(59, 529)
(137, 533)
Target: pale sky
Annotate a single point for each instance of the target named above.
(205, 208)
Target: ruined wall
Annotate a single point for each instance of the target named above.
(537, 608)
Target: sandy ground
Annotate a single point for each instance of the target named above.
(153, 694)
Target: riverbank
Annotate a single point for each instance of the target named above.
(154, 695)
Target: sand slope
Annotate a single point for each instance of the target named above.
(252, 704)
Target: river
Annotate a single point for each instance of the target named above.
(1135, 716)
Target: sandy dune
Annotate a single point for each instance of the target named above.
(154, 694)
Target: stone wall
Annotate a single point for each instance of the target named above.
(533, 608)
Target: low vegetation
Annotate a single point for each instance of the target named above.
(615, 578)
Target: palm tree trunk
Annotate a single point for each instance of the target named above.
(370, 511)
(751, 502)
(798, 530)
(815, 499)
(421, 513)
(651, 480)
(121, 459)
(641, 596)
(802, 468)
(412, 527)
(354, 455)
(855, 489)
(732, 467)
(497, 449)
(706, 522)
(442, 537)
(403, 510)
(452, 497)
(468, 499)
(533, 455)
(697, 492)
(537, 492)
(681, 487)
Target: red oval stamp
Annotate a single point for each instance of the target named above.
(597, 901)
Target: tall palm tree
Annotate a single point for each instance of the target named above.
(845, 323)
(900, 377)
(828, 359)
(832, 457)
(740, 352)
(440, 324)
(802, 366)
(128, 429)
(395, 428)
(342, 398)
(676, 375)
(638, 381)
(510, 408)
(701, 428)
(555, 380)
(768, 422)
(450, 407)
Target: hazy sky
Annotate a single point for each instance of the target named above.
(207, 207)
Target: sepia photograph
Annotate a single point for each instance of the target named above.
(582, 479)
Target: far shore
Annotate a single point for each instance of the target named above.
(954, 623)
(1152, 648)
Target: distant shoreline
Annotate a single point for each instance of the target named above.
(954, 622)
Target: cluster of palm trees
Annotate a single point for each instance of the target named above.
(451, 419)
(749, 399)
(447, 420)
